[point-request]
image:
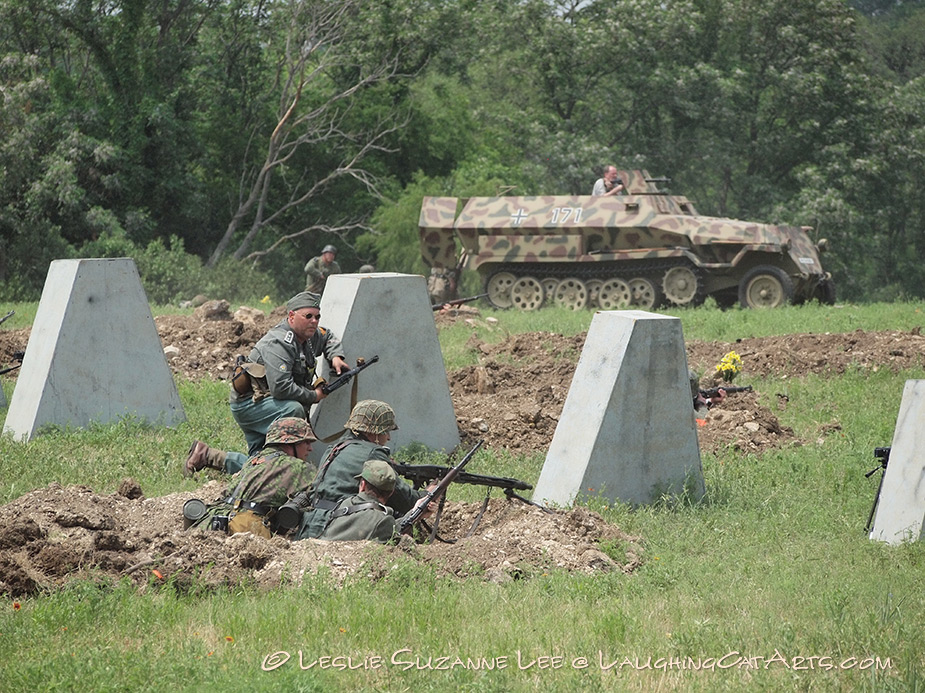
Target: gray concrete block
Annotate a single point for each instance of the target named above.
(901, 511)
(389, 315)
(93, 354)
(627, 430)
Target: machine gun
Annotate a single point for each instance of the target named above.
(882, 454)
(344, 378)
(421, 475)
(415, 514)
(730, 390)
(456, 302)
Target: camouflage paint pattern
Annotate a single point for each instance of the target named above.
(645, 232)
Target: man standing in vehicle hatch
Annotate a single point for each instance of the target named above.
(609, 184)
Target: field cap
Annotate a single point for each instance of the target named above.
(380, 474)
(305, 299)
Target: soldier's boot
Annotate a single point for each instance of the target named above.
(201, 456)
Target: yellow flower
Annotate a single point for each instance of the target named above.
(265, 299)
(730, 366)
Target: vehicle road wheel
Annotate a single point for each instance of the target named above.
(572, 293)
(615, 294)
(765, 286)
(527, 293)
(549, 288)
(645, 295)
(594, 288)
(680, 285)
(498, 289)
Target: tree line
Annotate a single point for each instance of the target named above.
(222, 144)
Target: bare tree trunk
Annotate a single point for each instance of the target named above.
(314, 47)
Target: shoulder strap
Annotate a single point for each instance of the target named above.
(348, 509)
(335, 451)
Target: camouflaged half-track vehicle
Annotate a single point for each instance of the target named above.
(637, 250)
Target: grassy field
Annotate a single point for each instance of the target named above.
(769, 582)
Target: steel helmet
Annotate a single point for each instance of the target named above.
(371, 416)
(290, 429)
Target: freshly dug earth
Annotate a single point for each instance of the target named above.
(53, 535)
(512, 399)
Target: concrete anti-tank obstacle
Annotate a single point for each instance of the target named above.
(389, 315)
(627, 431)
(93, 354)
(901, 508)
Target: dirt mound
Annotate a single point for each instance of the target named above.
(514, 396)
(799, 354)
(518, 406)
(53, 535)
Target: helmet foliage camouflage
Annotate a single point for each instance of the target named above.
(371, 416)
(289, 430)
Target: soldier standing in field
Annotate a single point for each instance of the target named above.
(368, 431)
(278, 381)
(265, 483)
(319, 268)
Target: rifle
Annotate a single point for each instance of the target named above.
(344, 378)
(456, 302)
(18, 356)
(882, 454)
(730, 390)
(10, 368)
(7, 316)
(415, 514)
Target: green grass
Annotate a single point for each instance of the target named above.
(772, 564)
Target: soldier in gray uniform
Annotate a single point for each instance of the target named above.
(366, 516)
(279, 377)
(368, 431)
(318, 269)
(267, 480)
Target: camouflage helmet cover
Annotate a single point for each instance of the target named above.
(289, 429)
(371, 416)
